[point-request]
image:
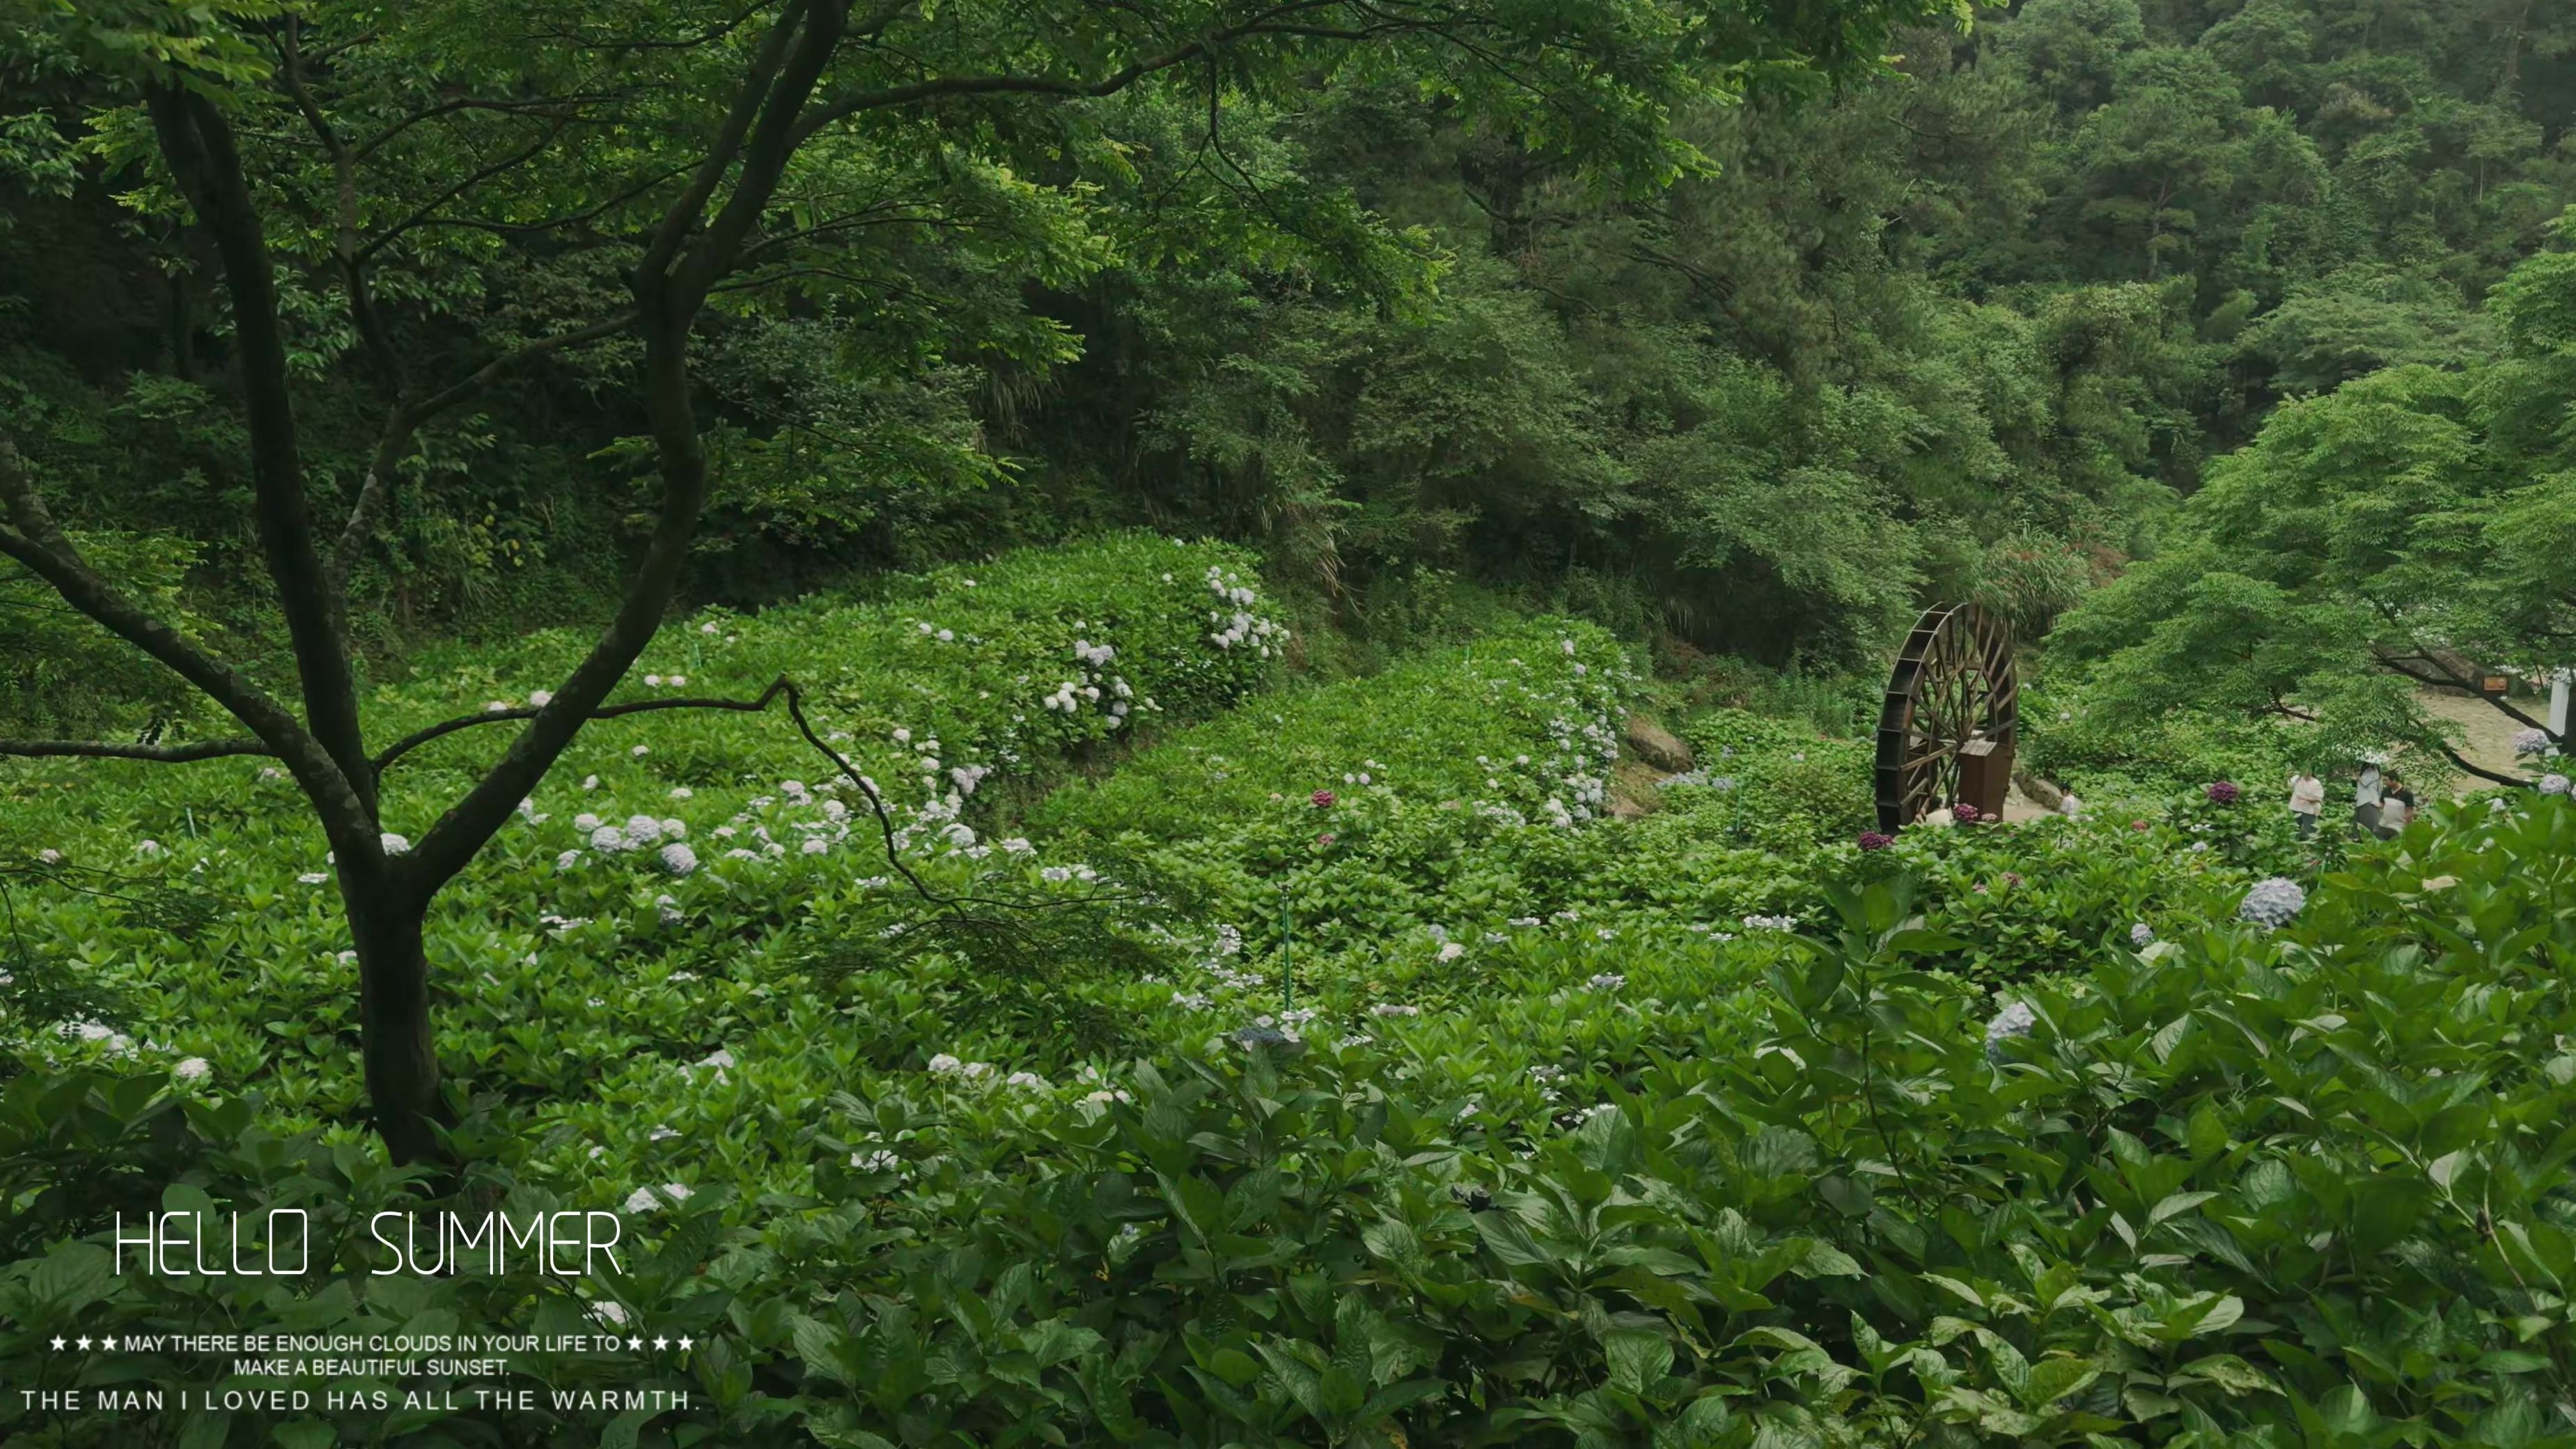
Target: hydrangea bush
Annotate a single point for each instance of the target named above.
(2168, 1188)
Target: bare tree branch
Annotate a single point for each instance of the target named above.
(33, 540)
(463, 184)
(844, 107)
(410, 742)
(2445, 675)
(197, 142)
(164, 754)
(681, 217)
(2481, 771)
(759, 132)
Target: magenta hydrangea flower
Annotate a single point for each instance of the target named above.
(1967, 814)
(1872, 840)
(2223, 792)
(1321, 799)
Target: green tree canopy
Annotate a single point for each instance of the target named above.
(2416, 525)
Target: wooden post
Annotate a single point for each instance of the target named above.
(1985, 776)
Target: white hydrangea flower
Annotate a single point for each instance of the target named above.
(679, 859)
(590, 782)
(946, 1065)
(147, 847)
(640, 751)
(645, 1200)
(2142, 935)
(681, 792)
(2553, 784)
(395, 844)
(1452, 951)
(585, 822)
(815, 845)
(568, 860)
(311, 877)
(2016, 1019)
(193, 1069)
(541, 697)
(607, 838)
(2531, 742)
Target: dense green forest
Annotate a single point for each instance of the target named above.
(1157, 723)
(1967, 328)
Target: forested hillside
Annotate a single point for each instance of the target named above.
(1966, 328)
(1158, 723)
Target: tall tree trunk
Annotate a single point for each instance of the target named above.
(393, 1022)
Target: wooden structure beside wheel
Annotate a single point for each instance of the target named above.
(1947, 729)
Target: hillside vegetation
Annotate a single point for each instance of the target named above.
(1154, 724)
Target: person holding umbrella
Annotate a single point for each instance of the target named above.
(2365, 798)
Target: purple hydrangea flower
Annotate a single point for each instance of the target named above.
(2273, 902)
(2016, 1019)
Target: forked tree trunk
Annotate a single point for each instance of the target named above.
(393, 1024)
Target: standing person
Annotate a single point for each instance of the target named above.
(2365, 799)
(2307, 797)
(2399, 812)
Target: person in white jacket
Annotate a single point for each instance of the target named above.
(2307, 797)
(2365, 799)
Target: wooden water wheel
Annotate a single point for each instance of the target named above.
(1946, 731)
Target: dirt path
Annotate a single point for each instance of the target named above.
(2019, 807)
(2489, 734)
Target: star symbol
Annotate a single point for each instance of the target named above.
(661, 1342)
(634, 1343)
(107, 1340)
(84, 1340)
(684, 1341)
(58, 1343)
